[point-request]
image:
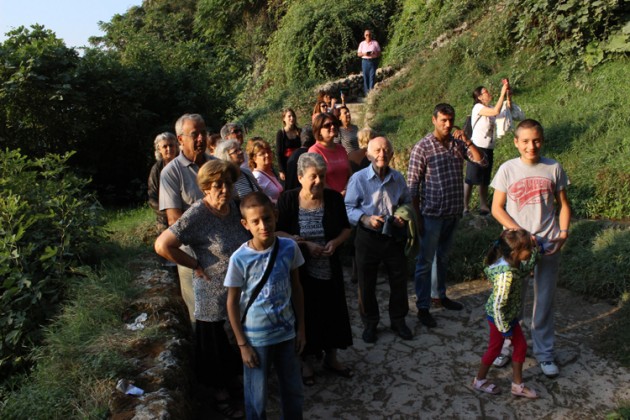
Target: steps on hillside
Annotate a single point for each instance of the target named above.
(357, 110)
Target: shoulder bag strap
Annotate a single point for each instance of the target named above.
(263, 280)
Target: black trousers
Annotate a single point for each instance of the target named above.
(371, 249)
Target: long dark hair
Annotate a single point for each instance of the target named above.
(476, 94)
(509, 246)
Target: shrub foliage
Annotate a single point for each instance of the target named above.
(47, 223)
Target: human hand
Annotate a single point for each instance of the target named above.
(373, 222)
(314, 249)
(460, 135)
(249, 356)
(504, 88)
(399, 221)
(557, 243)
(282, 176)
(200, 273)
(329, 248)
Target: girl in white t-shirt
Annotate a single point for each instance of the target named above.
(482, 120)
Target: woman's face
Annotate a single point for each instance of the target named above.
(167, 149)
(345, 117)
(485, 96)
(323, 107)
(289, 119)
(328, 131)
(263, 159)
(219, 194)
(237, 156)
(327, 98)
(313, 181)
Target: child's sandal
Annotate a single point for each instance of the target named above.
(484, 386)
(520, 390)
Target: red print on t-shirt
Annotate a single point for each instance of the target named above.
(530, 191)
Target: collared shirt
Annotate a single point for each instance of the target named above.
(365, 46)
(178, 183)
(367, 194)
(435, 175)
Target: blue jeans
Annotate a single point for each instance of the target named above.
(255, 381)
(436, 242)
(369, 74)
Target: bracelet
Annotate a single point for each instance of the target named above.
(243, 345)
(564, 230)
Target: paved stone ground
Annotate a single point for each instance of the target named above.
(429, 376)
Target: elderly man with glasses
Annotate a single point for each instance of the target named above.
(179, 189)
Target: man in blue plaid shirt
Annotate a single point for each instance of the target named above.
(435, 180)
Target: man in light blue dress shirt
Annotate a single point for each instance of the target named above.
(372, 196)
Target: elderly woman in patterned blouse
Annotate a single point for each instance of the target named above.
(212, 228)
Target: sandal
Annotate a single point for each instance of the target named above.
(345, 372)
(484, 386)
(520, 390)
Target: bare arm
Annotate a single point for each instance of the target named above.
(493, 112)
(249, 356)
(499, 213)
(564, 219)
(172, 215)
(167, 245)
(297, 298)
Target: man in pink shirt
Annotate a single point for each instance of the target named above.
(369, 51)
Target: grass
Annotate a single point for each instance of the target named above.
(83, 355)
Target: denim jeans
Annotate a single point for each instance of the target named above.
(369, 74)
(255, 381)
(436, 242)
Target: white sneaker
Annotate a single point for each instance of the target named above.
(550, 369)
(501, 360)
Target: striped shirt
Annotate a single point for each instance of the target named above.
(435, 175)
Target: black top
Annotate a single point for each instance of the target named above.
(284, 143)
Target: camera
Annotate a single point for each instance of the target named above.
(369, 53)
(389, 226)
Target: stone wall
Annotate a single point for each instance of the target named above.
(352, 85)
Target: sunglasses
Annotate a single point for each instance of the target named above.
(329, 125)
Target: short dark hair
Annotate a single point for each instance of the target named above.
(444, 109)
(255, 199)
(529, 123)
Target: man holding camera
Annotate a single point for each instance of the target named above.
(372, 196)
(369, 50)
(435, 183)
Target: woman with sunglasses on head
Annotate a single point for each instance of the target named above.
(261, 164)
(287, 140)
(325, 129)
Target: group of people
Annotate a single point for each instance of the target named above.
(263, 251)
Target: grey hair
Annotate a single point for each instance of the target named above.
(179, 124)
(225, 130)
(310, 160)
(222, 151)
(165, 136)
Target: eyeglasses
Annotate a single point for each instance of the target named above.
(168, 146)
(263, 153)
(236, 152)
(196, 134)
(236, 131)
(219, 185)
(329, 125)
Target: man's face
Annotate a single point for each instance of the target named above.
(236, 133)
(367, 35)
(529, 141)
(193, 138)
(443, 124)
(379, 153)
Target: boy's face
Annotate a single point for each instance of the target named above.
(261, 222)
(529, 141)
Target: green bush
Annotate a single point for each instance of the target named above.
(47, 225)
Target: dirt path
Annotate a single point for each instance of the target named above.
(429, 376)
